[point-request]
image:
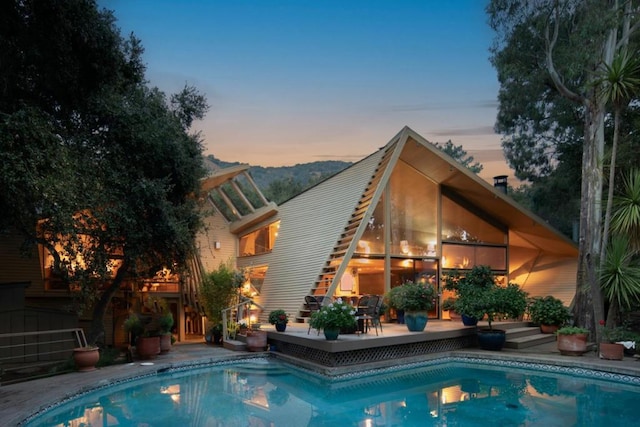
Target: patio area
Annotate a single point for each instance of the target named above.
(18, 401)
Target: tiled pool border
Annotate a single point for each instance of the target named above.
(548, 367)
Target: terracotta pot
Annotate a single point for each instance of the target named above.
(549, 329)
(86, 358)
(572, 345)
(148, 347)
(611, 351)
(165, 343)
(256, 340)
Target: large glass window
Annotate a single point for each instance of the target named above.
(461, 225)
(414, 212)
(461, 256)
(372, 241)
(259, 241)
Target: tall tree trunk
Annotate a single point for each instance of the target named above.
(96, 330)
(588, 306)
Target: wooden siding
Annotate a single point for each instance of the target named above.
(310, 226)
(555, 276)
(216, 229)
(18, 267)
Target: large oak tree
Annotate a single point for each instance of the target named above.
(95, 165)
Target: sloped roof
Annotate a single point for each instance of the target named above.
(312, 222)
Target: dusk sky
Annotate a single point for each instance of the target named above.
(298, 81)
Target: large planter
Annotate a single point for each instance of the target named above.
(281, 327)
(257, 340)
(611, 351)
(148, 347)
(165, 343)
(548, 329)
(468, 320)
(331, 334)
(491, 339)
(572, 345)
(416, 321)
(454, 315)
(86, 358)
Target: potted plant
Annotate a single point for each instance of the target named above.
(165, 323)
(256, 340)
(279, 319)
(572, 340)
(416, 299)
(467, 287)
(392, 301)
(333, 317)
(219, 289)
(549, 312)
(86, 357)
(610, 347)
(449, 305)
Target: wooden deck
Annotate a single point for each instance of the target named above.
(395, 344)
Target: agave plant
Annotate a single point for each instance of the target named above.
(620, 274)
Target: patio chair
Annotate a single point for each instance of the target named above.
(312, 305)
(367, 313)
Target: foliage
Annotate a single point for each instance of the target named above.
(101, 162)
(571, 330)
(549, 311)
(412, 296)
(549, 56)
(480, 295)
(336, 315)
(625, 218)
(394, 297)
(219, 290)
(133, 325)
(620, 274)
(460, 155)
(278, 316)
(449, 304)
(615, 334)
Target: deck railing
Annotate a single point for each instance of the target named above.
(233, 315)
(23, 351)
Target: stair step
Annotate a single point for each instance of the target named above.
(234, 345)
(529, 340)
(523, 332)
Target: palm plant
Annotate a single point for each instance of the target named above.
(620, 269)
(619, 84)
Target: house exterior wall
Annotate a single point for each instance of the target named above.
(19, 267)
(216, 229)
(310, 226)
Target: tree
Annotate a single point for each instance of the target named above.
(563, 45)
(460, 155)
(95, 166)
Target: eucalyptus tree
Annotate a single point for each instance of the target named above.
(548, 54)
(95, 166)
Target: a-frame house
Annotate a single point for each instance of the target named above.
(406, 212)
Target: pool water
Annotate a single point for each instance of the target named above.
(266, 392)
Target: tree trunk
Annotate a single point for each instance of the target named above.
(588, 308)
(96, 330)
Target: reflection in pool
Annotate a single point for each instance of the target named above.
(266, 392)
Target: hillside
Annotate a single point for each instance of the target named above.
(300, 174)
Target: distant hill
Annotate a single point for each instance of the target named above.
(301, 174)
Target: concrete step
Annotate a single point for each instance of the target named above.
(528, 340)
(522, 332)
(234, 345)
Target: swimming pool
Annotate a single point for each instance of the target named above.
(444, 392)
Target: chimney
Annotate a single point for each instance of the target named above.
(500, 183)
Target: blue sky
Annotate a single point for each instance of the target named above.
(298, 81)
